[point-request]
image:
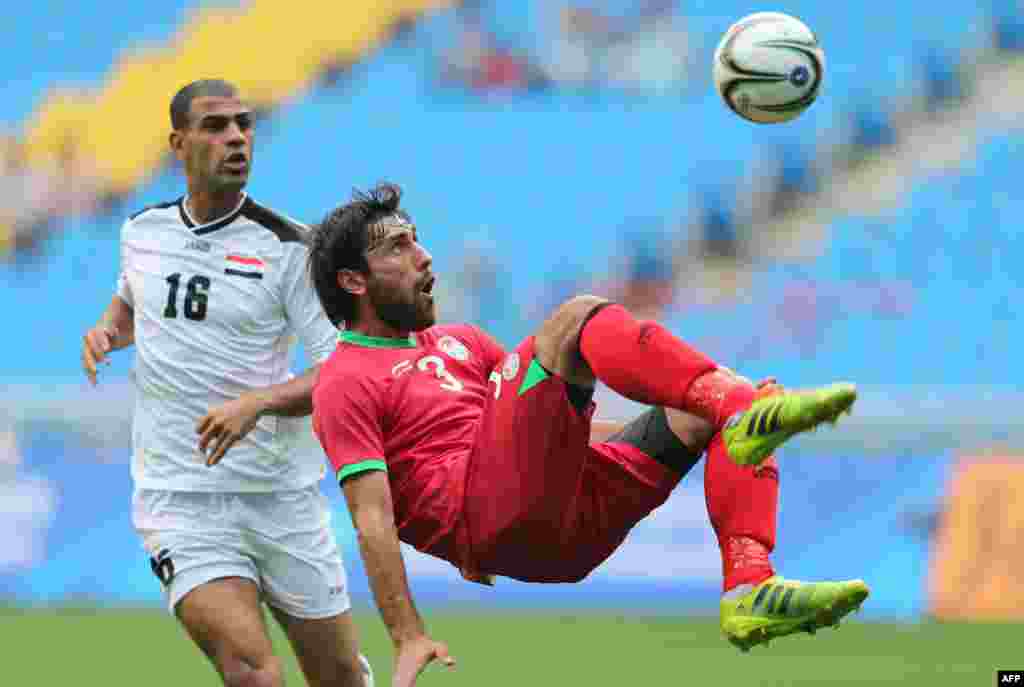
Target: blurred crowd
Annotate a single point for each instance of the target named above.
(646, 49)
(35, 198)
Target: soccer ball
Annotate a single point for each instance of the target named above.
(768, 67)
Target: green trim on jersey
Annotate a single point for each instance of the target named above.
(535, 374)
(376, 341)
(361, 467)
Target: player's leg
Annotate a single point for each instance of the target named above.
(589, 338)
(621, 486)
(304, 583)
(198, 553)
(634, 470)
(742, 501)
(225, 619)
(756, 604)
(527, 474)
(327, 649)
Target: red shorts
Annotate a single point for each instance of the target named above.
(542, 503)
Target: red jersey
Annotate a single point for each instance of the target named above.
(411, 407)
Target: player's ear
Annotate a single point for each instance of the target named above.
(352, 281)
(177, 141)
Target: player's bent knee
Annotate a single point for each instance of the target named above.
(583, 303)
(579, 308)
(556, 343)
(567, 319)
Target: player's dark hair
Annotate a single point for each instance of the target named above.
(340, 242)
(181, 103)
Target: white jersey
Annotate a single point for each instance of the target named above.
(216, 307)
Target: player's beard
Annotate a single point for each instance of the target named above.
(213, 176)
(406, 311)
(226, 181)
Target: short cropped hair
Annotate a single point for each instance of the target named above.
(181, 103)
(340, 242)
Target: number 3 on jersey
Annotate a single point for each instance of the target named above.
(449, 383)
(195, 296)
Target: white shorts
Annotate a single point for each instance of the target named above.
(282, 541)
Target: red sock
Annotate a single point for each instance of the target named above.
(742, 504)
(640, 359)
(716, 395)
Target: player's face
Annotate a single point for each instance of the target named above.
(216, 148)
(401, 282)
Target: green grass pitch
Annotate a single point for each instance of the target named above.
(109, 648)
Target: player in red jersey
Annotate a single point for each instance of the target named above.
(484, 458)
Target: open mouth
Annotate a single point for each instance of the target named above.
(428, 287)
(236, 160)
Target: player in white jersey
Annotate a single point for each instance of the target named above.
(212, 291)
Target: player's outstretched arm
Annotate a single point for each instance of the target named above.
(226, 424)
(369, 501)
(293, 398)
(115, 329)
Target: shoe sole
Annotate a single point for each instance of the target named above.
(839, 403)
(829, 616)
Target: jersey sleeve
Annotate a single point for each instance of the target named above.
(493, 352)
(124, 289)
(348, 420)
(302, 307)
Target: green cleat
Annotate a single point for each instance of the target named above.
(778, 607)
(754, 434)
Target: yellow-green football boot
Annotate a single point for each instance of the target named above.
(752, 435)
(778, 607)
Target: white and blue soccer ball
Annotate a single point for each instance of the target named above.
(769, 67)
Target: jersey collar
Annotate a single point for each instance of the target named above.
(200, 229)
(358, 339)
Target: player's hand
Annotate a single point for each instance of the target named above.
(225, 425)
(96, 344)
(413, 655)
